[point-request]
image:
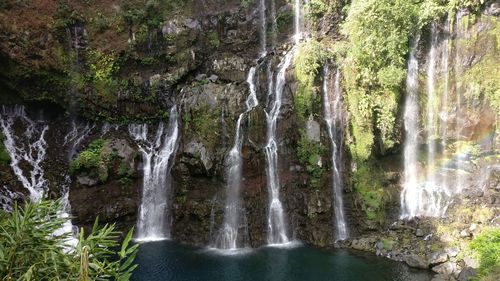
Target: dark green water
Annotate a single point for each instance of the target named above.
(166, 260)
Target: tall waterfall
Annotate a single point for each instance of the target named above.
(27, 148)
(154, 218)
(277, 229)
(410, 196)
(334, 118)
(443, 114)
(297, 21)
(428, 193)
(228, 238)
(431, 121)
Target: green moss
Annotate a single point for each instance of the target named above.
(388, 244)
(309, 154)
(203, 124)
(307, 61)
(213, 39)
(92, 161)
(371, 194)
(487, 247)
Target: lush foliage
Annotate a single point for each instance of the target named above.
(31, 248)
(371, 193)
(309, 153)
(487, 246)
(375, 65)
(483, 78)
(92, 160)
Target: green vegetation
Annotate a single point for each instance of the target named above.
(30, 249)
(374, 67)
(371, 194)
(310, 56)
(309, 153)
(93, 161)
(4, 155)
(213, 39)
(487, 247)
(483, 79)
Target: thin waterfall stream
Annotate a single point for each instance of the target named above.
(229, 236)
(157, 153)
(334, 118)
(277, 228)
(410, 192)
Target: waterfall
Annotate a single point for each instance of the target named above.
(298, 32)
(444, 101)
(410, 200)
(263, 37)
(277, 233)
(76, 136)
(154, 218)
(459, 120)
(333, 114)
(27, 148)
(431, 73)
(228, 238)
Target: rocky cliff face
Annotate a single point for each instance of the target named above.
(112, 63)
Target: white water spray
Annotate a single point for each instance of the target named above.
(228, 238)
(28, 148)
(154, 212)
(334, 118)
(277, 232)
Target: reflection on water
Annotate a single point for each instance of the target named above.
(167, 260)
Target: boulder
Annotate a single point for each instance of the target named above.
(446, 268)
(437, 258)
(416, 261)
(466, 274)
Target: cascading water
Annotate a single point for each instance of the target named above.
(431, 195)
(459, 119)
(298, 32)
(28, 149)
(228, 238)
(443, 115)
(154, 218)
(263, 36)
(431, 122)
(277, 232)
(410, 196)
(333, 114)
(76, 136)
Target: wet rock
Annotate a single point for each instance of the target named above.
(416, 261)
(493, 9)
(313, 130)
(213, 78)
(198, 157)
(466, 274)
(446, 268)
(86, 180)
(230, 67)
(471, 262)
(452, 252)
(437, 258)
(442, 277)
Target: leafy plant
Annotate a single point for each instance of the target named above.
(92, 160)
(487, 247)
(32, 247)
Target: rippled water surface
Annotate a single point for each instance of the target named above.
(167, 260)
